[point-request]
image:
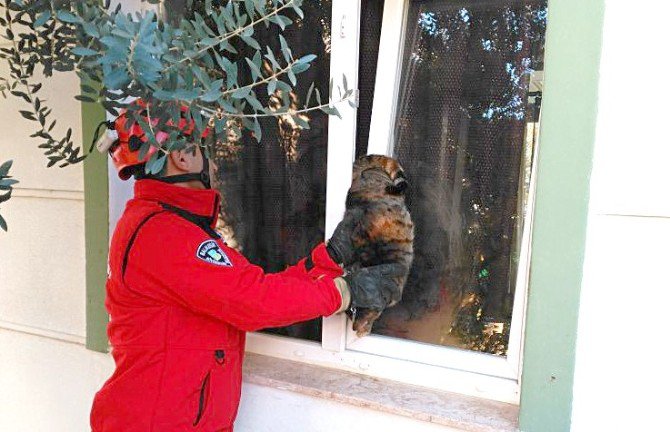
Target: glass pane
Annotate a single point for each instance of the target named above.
(274, 193)
(371, 29)
(465, 132)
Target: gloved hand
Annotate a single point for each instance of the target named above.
(340, 246)
(376, 287)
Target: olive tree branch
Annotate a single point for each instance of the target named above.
(230, 35)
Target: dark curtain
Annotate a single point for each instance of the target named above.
(274, 193)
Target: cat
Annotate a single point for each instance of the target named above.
(384, 232)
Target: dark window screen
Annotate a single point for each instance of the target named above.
(371, 27)
(463, 134)
(274, 193)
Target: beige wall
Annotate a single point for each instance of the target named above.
(47, 377)
(42, 255)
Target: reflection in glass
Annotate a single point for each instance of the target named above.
(465, 132)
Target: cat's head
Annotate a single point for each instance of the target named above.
(379, 175)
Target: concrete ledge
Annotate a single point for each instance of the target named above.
(448, 409)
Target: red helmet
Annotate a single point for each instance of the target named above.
(125, 149)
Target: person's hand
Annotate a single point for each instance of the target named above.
(340, 246)
(376, 287)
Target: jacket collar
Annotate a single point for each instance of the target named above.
(200, 202)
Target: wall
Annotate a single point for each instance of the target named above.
(271, 410)
(621, 379)
(47, 377)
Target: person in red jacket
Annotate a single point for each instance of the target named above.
(180, 300)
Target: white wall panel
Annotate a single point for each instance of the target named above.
(47, 385)
(42, 264)
(631, 174)
(266, 409)
(621, 379)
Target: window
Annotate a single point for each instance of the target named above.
(453, 89)
(461, 116)
(274, 193)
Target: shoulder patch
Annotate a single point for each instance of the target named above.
(210, 252)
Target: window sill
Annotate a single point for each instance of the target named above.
(448, 409)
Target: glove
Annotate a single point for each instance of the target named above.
(376, 287)
(340, 246)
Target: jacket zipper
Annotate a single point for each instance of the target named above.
(220, 357)
(201, 402)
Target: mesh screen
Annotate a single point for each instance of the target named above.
(460, 135)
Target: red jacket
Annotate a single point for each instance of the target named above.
(180, 303)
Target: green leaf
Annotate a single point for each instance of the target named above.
(228, 107)
(255, 71)
(8, 182)
(27, 115)
(300, 67)
(255, 103)
(258, 133)
(4, 168)
(42, 19)
(296, 8)
(67, 17)
(241, 93)
(272, 87)
(309, 95)
(251, 42)
(163, 95)
(286, 51)
(84, 98)
(156, 163)
(249, 7)
(281, 21)
(211, 95)
(84, 52)
(306, 59)
(3, 223)
(273, 61)
(116, 79)
(331, 111)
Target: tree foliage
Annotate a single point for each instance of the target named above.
(193, 61)
(6, 183)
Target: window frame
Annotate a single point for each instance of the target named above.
(96, 232)
(392, 41)
(496, 377)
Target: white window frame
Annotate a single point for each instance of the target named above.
(439, 367)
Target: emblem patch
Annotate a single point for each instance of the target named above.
(210, 252)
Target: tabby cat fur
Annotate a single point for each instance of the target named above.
(383, 231)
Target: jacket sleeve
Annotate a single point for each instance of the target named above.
(317, 265)
(164, 265)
